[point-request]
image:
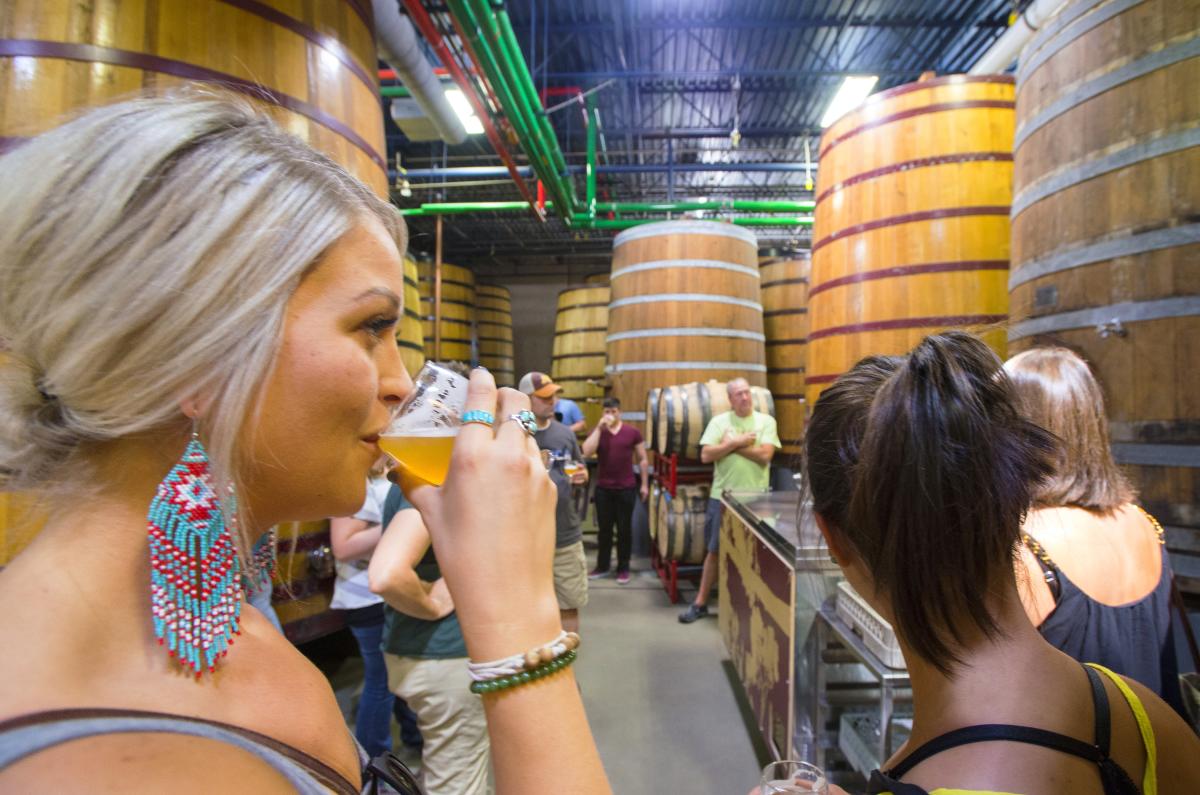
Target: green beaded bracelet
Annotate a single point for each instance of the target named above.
(524, 677)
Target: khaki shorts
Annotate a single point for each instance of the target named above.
(570, 576)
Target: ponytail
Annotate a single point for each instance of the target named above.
(936, 470)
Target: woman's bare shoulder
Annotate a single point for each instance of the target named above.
(144, 762)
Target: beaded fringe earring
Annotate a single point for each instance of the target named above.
(195, 582)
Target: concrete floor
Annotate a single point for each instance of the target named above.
(661, 697)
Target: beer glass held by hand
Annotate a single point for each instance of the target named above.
(421, 435)
(790, 777)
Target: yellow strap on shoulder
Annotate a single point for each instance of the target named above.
(1150, 779)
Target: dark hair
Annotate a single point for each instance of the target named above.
(923, 464)
(1055, 389)
(611, 403)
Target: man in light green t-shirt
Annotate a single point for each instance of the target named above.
(740, 444)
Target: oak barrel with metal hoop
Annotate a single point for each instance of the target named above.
(457, 319)
(685, 307)
(679, 530)
(579, 352)
(493, 323)
(911, 232)
(785, 322)
(311, 65)
(1106, 230)
(410, 335)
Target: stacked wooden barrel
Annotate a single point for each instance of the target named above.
(71, 55)
(493, 320)
(679, 529)
(785, 323)
(579, 355)
(410, 334)
(685, 307)
(911, 234)
(457, 319)
(680, 414)
(1106, 228)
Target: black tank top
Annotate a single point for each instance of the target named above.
(1134, 639)
(1112, 776)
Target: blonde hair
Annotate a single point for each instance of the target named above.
(149, 249)
(1056, 389)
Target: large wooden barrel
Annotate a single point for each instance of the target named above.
(678, 419)
(493, 321)
(1106, 230)
(312, 65)
(680, 526)
(685, 307)
(785, 322)
(303, 581)
(597, 280)
(457, 320)
(911, 229)
(579, 355)
(410, 335)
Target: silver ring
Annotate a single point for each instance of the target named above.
(526, 420)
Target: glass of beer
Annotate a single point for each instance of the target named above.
(789, 777)
(421, 435)
(572, 468)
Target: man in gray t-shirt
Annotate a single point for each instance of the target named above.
(570, 561)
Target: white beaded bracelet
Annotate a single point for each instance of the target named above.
(487, 671)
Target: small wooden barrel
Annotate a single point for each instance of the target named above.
(579, 351)
(1106, 229)
(685, 307)
(457, 320)
(785, 322)
(410, 334)
(303, 581)
(681, 524)
(652, 400)
(652, 513)
(911, 228)
(683, 412)
(311, 65)
(493, 322)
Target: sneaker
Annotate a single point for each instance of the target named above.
(622, 578)
(693, 612)
(596, 574)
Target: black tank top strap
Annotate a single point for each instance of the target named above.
(1112, 776)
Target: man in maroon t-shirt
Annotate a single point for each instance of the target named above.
(615, 444)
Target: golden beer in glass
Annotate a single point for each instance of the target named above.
(421, 435)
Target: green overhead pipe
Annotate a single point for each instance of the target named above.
(509, 41)
(491, 67)
(459, 208)
(394, 91)
(502, 68)
(590, 174)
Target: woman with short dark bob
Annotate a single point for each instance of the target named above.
(197, 342)
(921, 471)
(1096, 578)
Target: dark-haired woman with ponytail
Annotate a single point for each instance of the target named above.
(921, 470)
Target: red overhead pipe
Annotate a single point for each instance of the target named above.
(421, 19)
(390, 74)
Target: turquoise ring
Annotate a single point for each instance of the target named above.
(480, 416)
(526, 420)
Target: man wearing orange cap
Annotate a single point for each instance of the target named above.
(566, 470)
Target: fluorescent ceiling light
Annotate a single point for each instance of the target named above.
(466, 115)
(852, 93)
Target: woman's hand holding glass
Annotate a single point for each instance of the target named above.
(492, 525)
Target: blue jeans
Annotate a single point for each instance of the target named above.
(373, 724)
